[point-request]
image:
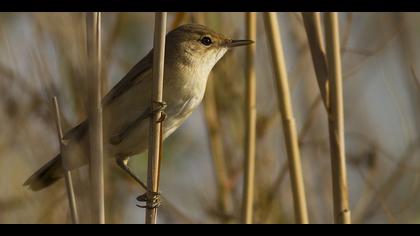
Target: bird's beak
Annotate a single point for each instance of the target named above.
(237, 43)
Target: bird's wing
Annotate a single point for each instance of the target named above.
(130, 79)
(77, 132)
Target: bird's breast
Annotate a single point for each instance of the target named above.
(183, 93)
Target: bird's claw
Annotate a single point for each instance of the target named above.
(151, 199)
(160, 107)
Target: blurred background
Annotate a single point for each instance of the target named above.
(43, 55)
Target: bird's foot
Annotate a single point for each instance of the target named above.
(159, 107)
(151, 199)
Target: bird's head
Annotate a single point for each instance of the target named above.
(196, 45)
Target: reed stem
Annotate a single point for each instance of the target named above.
(93, 27)
(336, 121)
(67, 174)
(155, 131)
(312, 23)
(289, 125)
(250, 120)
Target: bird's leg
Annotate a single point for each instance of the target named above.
(151, 199)
(123, 163)
(119, 137)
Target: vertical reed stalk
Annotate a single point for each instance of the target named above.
(336, 121)
(93, 28)
(155, 131)
(215, 138)
(289, 125)
(67, 174)
(312, 22)
(250, 120)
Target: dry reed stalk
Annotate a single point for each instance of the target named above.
(93, 28)
(312, 22)
(289, 125)
(67, 174)
(215, 139)
(336, 121)
(250, 120)
(155, 131)
(284, 168)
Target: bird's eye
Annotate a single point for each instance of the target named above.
(206, 41)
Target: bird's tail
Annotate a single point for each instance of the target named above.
(46, 175)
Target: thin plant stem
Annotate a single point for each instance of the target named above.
(250, 120)
(284, 168)
(336, 121)
(93, 28)
(155, 131)
(312, 22)
(67, 174)
(289, 125)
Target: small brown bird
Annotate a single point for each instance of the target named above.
(191, 52)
